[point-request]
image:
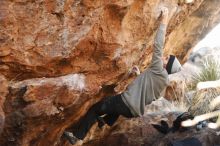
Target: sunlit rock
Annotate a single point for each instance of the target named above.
(60, 57)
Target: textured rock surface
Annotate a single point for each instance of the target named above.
(3, 93)
(54, 38)
(144, 134)
(74, 52)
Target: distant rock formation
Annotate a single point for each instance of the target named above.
(198, 57)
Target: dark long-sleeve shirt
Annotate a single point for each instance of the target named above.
(149, 84)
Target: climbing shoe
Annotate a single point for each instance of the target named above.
(177, 123)
(70, 137)
(163, 128)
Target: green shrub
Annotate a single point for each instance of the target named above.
(209, 72)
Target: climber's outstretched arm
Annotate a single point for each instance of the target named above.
(157, 63)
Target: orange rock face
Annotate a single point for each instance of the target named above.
(3, 93)
(63, 56)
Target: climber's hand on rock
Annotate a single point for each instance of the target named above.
(165, 11)
(165, 15)
(135, 70)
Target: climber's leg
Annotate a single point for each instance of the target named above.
(114, 106)
(86, 122)
(110, 119)
(111, 106)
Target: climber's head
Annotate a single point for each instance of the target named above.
(172, 64)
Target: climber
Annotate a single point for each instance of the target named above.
(142, 91)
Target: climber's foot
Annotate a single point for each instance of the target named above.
(70, 137)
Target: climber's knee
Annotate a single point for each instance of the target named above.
(103, 109)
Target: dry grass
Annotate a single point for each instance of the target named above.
(181, 101)
(180, 104)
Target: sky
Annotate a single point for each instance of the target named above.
(211, 40)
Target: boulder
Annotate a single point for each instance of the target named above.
(45, 106)
(61, 57)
